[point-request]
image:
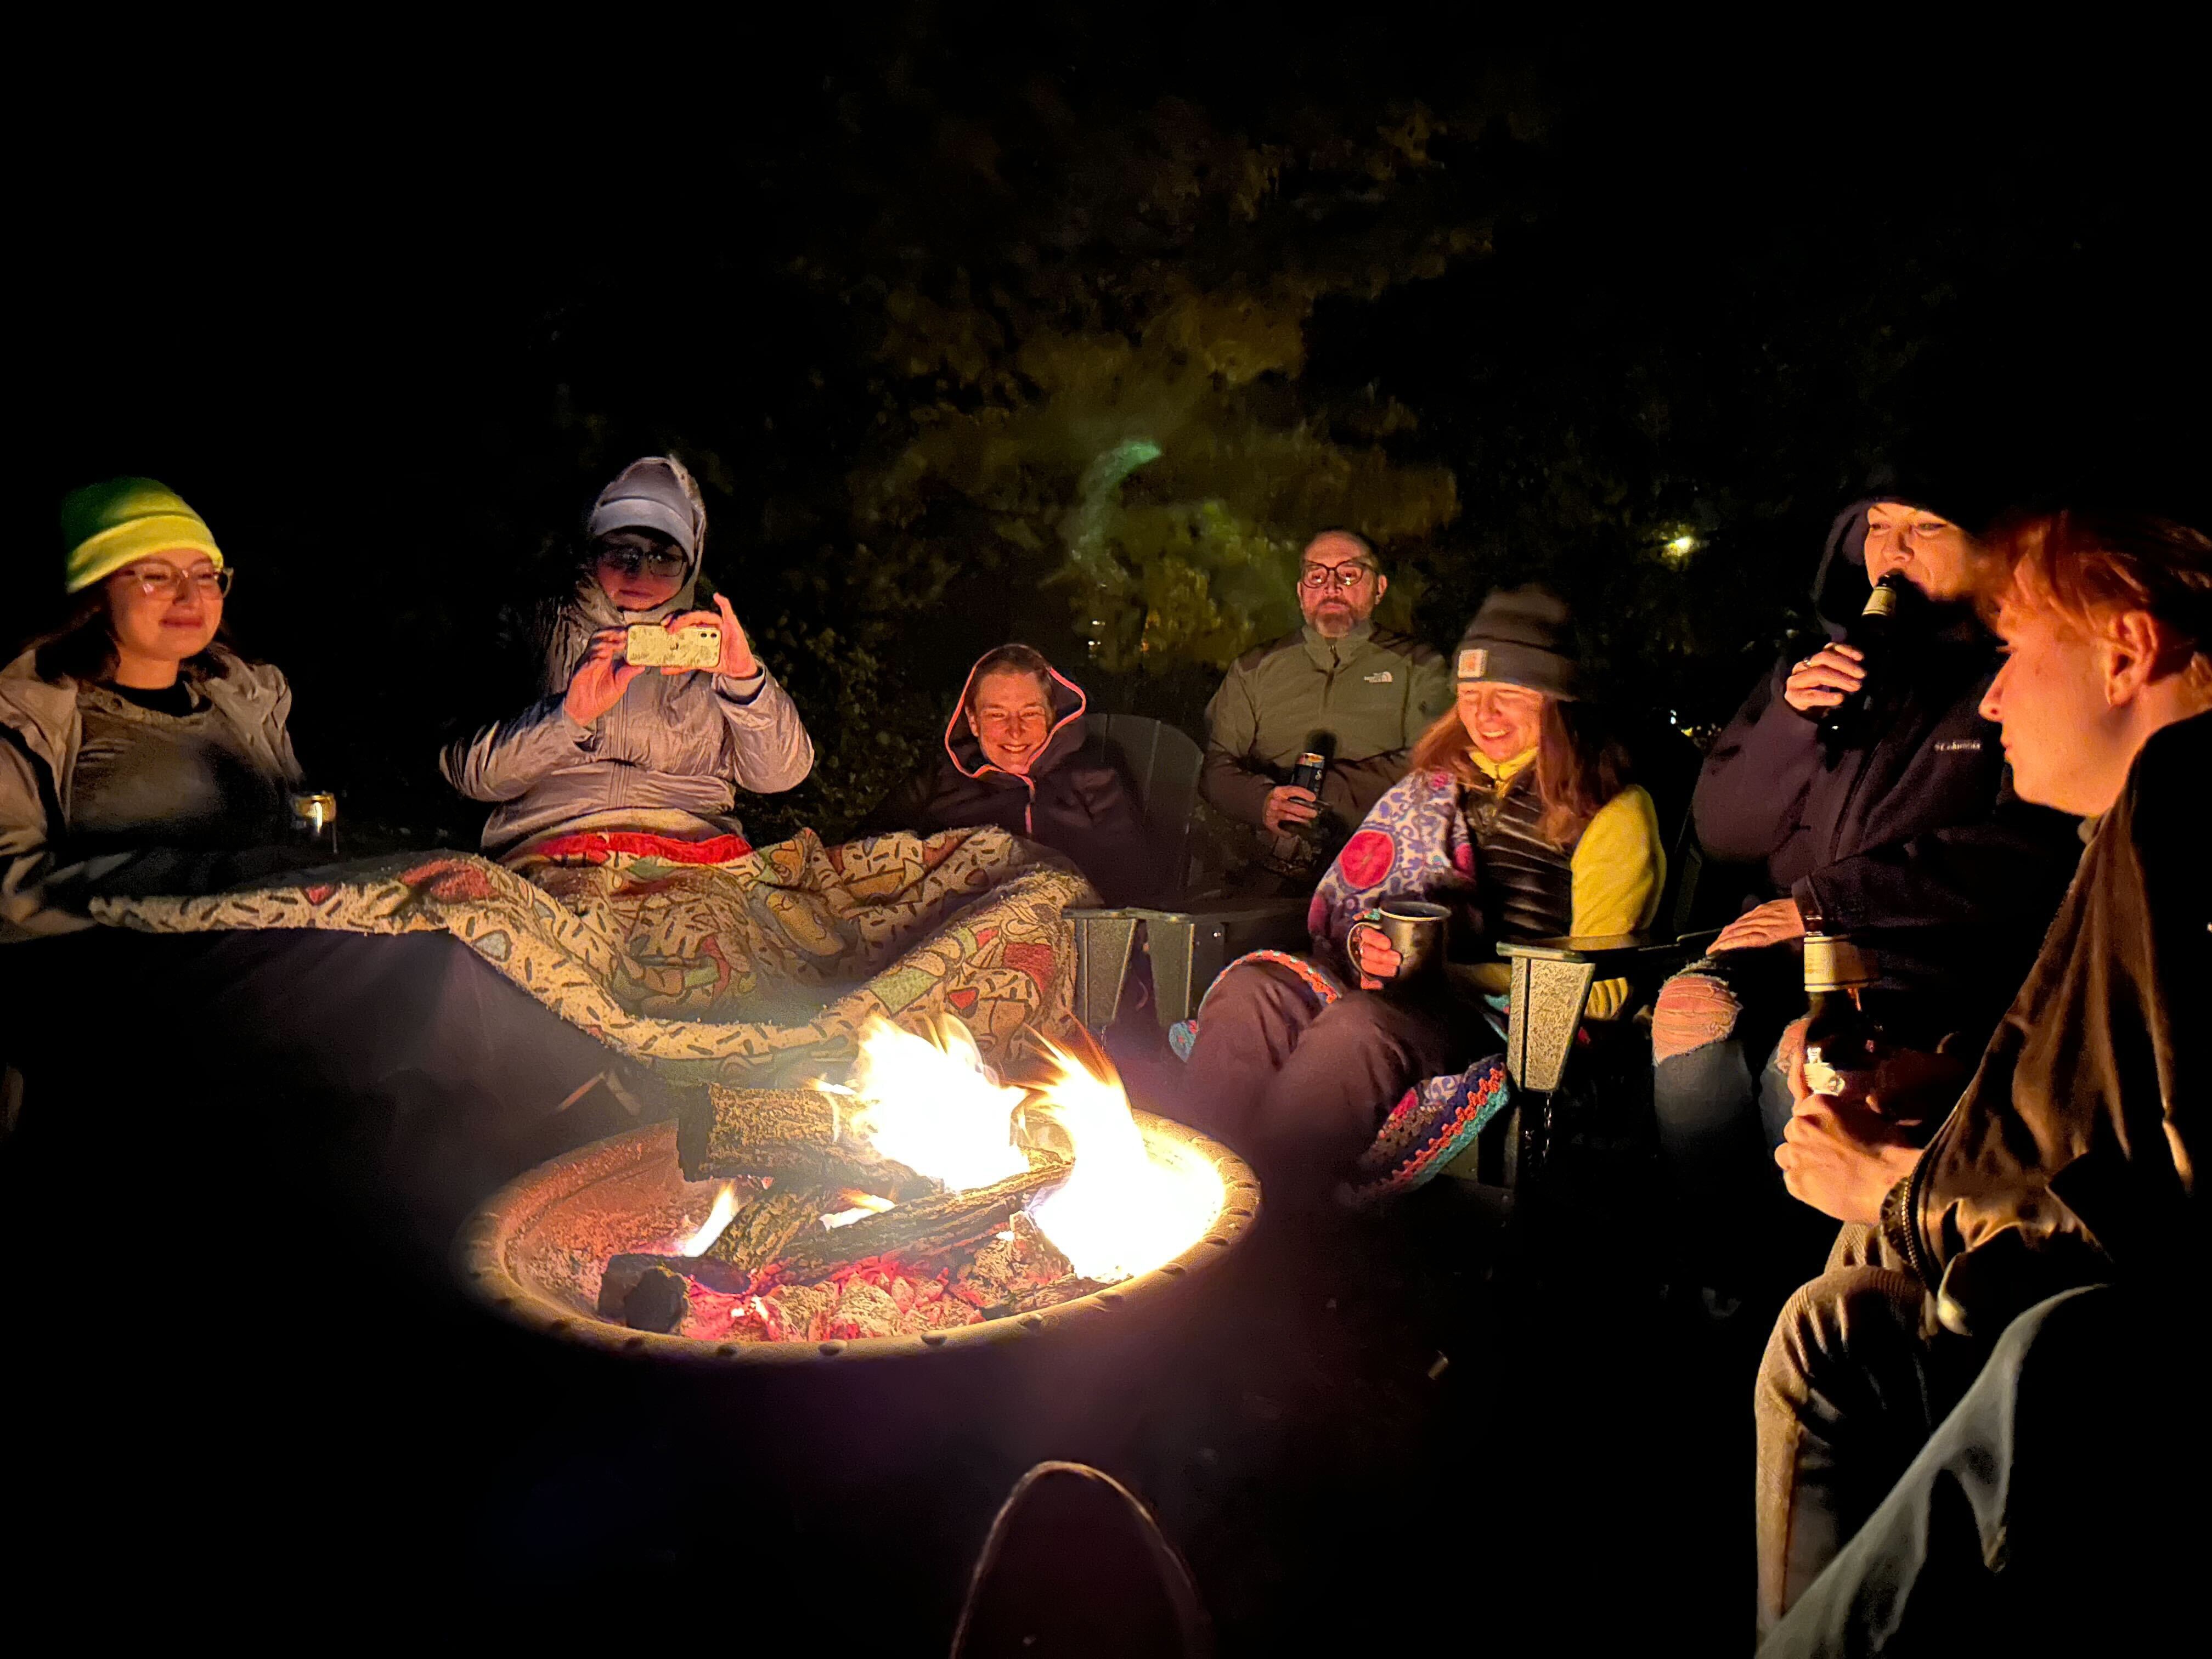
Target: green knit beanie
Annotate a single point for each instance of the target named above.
(108, 525)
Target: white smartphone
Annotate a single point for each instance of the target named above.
(650, 646)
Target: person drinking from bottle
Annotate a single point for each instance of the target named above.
(612, 745)
(1518, 818)
(1863, 790)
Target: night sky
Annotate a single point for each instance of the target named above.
(389, 311)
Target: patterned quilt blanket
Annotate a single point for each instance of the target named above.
(715, 962)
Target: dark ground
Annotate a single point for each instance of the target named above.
(1364, 1435)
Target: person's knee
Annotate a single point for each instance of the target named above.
(1246, 984)
(1849, 1317)
(1694, 1010)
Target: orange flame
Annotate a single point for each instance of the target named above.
(932, 1103)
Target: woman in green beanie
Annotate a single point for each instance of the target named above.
(140, 753)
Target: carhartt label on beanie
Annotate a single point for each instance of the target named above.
(1522, 636)
(108, 526)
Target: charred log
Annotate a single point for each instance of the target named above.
(920, 1227)
(790, 1134)
(625, 1272)
(761, 1231)
(657, 1301)
(1017, 1261)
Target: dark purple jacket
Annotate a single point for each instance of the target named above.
(1912, 841)
(1075, 800)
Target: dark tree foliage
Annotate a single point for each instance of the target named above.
(1075, 332)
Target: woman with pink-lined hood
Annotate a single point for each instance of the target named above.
(1015, 755)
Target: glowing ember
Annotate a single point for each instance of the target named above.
(725, 1205)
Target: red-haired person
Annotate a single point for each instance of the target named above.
(2072, 1159)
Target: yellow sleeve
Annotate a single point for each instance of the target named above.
(1618, 868)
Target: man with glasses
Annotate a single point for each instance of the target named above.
(1340, 687)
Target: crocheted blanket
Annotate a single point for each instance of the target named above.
(715, 962)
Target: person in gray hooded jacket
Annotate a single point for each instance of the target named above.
(610, 744)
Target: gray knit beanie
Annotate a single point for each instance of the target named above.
(1520, 637)
(648, 495)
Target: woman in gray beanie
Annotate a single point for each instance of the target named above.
(608, 746)
(1517, 816)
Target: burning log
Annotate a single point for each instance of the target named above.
(921, 1227)
(763, 1230)
(790, 1134)
(1019, 1260)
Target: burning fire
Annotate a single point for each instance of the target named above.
(725, 1205)
(1122, 1212)
(934, 1106)
(932, 1103)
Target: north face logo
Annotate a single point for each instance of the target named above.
(1383, 679)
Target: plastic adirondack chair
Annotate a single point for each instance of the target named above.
(1189, 944)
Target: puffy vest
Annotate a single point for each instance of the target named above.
(1524, 884)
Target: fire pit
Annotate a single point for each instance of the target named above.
(1122, 1204)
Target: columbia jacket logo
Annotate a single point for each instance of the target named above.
(1959, 746)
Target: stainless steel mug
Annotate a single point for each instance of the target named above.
(1416, 931)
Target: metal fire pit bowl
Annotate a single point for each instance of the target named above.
(535, 1252)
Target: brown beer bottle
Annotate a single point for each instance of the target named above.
(1844, 1048)
(1874, 633)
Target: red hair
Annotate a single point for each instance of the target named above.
(2088, 566)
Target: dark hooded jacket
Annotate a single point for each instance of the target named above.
(1075, 800)
(1913, 840)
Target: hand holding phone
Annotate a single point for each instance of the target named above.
(652, 646)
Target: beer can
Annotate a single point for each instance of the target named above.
(1310, 771)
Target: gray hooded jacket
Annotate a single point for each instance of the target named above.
(671, 757)
(45, 883)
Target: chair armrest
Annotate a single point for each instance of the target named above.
(1103, 938)
(1189, 946)
(1614, 955)
(1551, 978)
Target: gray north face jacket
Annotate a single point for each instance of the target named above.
(45, 881)
(669, 758)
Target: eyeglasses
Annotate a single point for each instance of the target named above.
(1345, 576)
(205, 581)
(630, 561)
